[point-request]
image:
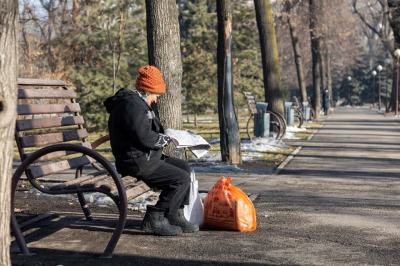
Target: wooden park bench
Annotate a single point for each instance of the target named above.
(276, 119)
(58, 121)
(298, 108)
(312, 112)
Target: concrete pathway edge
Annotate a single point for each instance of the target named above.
(290, 157)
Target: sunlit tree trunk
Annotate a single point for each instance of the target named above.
(229, 128)
(322, 68)
(315, 51)
(394, 20)
(269, 53)
(8, 101)
(164, 52)
(297, 53)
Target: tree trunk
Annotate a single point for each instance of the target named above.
(394, 20)
(297, 54)
(195, 116)
(329, 74)
(315, 51)
(164, 52)
(322, 70)
(8, 107)
(228, 126)
(269, 53)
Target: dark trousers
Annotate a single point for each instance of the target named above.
(173, 178)
(326, 109)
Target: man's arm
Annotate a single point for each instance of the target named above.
(137, 123)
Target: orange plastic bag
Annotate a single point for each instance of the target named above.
(227, 207)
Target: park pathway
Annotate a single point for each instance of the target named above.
(338, 201)
(353, 143)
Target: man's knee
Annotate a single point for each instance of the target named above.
(184, 166)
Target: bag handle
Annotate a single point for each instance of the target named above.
(228, 181)
(192, 176)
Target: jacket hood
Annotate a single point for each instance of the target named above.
(110, 102)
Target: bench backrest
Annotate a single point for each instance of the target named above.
(251, 101)
(48, 114)
(296, 102)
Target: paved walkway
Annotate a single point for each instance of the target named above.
(336, 203)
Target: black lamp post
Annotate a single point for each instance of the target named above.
(387, 63)
(348, 89)
(397, 54)
(379, 68)
(373, 88)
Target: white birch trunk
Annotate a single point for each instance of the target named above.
(8, 101)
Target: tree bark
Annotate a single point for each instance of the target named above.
(269, 53)
(297, 54)
(229, 128)
(329, 74)
(394, 20)
(163, 39)
(315, 51)
(8, 107)
(322, 68)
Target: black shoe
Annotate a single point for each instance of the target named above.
(180, 220)
(155, 222)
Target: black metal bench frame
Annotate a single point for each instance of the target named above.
(298, 108)
(279, 121)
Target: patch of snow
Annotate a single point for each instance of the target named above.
(295, 129)
(214, 141)
(363, 107)
(290, 132)
(263, 144)
(356, 107)
(251, 149)
(100, 199)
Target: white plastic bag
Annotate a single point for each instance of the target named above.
(194, 211)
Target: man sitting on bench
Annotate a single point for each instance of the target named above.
(137, 140)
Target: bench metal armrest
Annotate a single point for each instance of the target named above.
(100, 141)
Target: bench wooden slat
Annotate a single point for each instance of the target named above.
(51, 138)
(58, 154)
(86, 178)
(29, 124)
(52, 168)
(45, 94)
(127, 181)
(41, 82)
(96, 179)
(136, 191)
(30, 109)
(250, 97)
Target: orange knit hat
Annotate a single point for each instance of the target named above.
(151, 80)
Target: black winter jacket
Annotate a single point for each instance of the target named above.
(136, 134)
(325, 99)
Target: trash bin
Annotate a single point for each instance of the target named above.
(261, 107)
(306, 111)
(261, 124)
(289, 113)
